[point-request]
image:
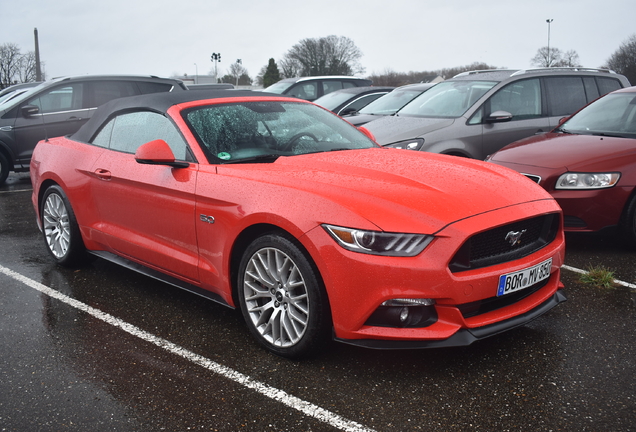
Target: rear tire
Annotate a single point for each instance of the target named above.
(282, 298)
(4, 168)
(60, 229)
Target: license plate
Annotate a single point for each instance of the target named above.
(521, 279)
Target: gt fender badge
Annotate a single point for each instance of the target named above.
(514, 237)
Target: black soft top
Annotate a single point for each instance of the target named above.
(158, 102)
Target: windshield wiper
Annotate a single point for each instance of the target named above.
(265, 158)
(605, 134)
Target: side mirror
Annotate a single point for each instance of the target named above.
(367, 132)
(499, 117)
(158, 152)
(30, 110)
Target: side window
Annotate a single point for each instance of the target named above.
(102, 139)
(129, 131)
(360, 103)
(606, 85)
(150, 87)
(522, 99)
(348, 84)
(307, 91)
(591, 91)
(101, 92)
(565, 95)
(62, 98)
(329, 86)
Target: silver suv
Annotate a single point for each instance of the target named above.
(476, 113)
(59, 107)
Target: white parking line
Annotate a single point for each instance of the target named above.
(16, 190)
(278, 395)
(616, 281)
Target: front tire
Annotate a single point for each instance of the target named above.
(627, 229)
(282, 298)
(60, 229)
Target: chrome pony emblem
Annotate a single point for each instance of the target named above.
(514, 237)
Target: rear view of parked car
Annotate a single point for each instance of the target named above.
(59, 107)
(588, 164)
(476, 113)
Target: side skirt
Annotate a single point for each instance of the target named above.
(116, 259)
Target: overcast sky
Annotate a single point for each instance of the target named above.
(165, 38)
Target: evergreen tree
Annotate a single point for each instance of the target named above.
(272, 75)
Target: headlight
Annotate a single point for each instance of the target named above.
(412, 144)
(587, 180)
(379, 242)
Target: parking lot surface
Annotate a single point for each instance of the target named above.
(101, 348)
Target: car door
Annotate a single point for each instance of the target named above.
(60, 112)
(147, 212)
(523, 100)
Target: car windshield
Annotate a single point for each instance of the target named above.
(447, 99)
(332, 100)
(19, 96)
(265, 130)
(278, 87)
(390, 102)
(612, 115)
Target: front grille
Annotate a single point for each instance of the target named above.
(497, 246)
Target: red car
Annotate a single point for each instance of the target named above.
(280, 208)
(588, 164)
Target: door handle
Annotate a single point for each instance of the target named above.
(103, 174)
(74, 118)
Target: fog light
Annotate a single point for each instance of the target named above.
(404, 314)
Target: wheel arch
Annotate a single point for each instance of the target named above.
(247, 236)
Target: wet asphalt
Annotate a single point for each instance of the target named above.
(62, 369)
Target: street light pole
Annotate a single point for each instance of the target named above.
(238, 61)
(549, 21)
(196, 75)
(216, 57)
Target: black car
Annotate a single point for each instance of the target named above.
(388, 104)
(348, 101)
(59, 107)
(311, 88)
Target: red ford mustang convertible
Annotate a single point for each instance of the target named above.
(278, 207)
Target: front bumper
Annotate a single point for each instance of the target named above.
(357, 284)
(463, 337)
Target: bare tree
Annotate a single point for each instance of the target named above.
(554, 57)
(290, 68)
(331, 55)
(392, 78)
(26, 67)
(237, 70)
(14, 66)
(623, 60)
(9, 64)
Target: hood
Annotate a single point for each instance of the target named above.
(575, 152)
(391, 129)
(396, 190)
